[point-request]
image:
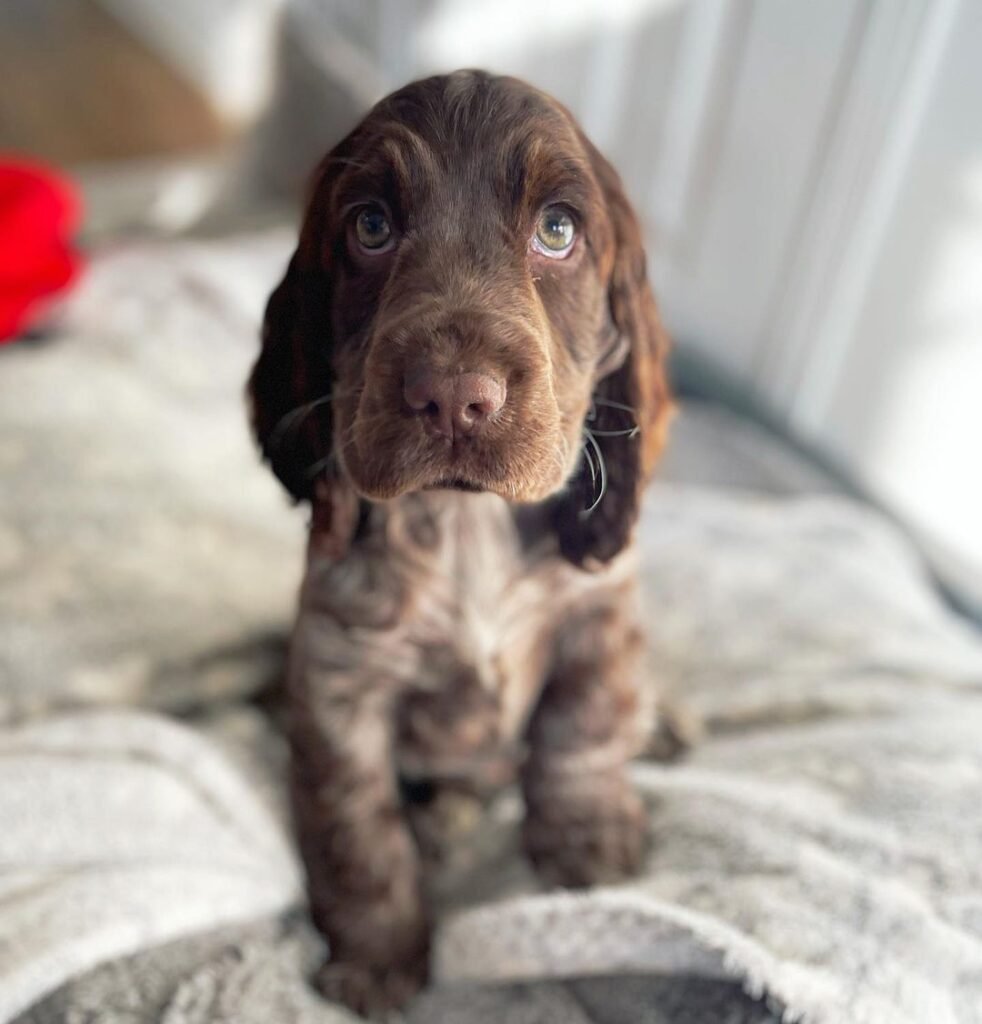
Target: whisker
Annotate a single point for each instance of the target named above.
(630, 432)
(347, 436)
(615, 405)
(559, 455)
(591, 465)
(602, 466)
(319, 465)
(611, 404)
(294, 418)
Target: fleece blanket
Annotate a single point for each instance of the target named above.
(817, 857)
(821, 846)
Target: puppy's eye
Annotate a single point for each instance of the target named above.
(372, 228)
(554, 232)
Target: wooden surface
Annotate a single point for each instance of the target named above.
(75, 87)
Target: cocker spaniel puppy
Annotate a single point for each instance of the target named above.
(463, 373)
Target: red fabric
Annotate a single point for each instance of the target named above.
(39, 212)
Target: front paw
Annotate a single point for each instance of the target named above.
(577, 843)
(370, 990)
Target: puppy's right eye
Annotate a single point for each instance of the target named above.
(372, 229)
(555, 233)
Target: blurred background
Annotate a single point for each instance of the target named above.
(809, 176)
(809, 179)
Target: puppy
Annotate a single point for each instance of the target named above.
(463, 373)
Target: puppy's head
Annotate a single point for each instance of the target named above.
(467, 307)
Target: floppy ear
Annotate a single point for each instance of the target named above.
(290, 385)
(625, 429)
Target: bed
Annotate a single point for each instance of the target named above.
(816, 856)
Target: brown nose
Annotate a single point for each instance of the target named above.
(453, 404)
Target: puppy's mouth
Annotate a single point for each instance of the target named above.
(388, 478)
(456, 484)
(386, 456)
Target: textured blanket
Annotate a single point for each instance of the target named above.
(120, 831)
(818, 856)
(821, 846)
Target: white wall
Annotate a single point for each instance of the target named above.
(810, 177)
(900, 400)
(224, 47)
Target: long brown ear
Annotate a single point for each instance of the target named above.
(290, 376)
(290, 386)
(625, 430)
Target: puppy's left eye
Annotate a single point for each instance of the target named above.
(372, 229)
(554, 232)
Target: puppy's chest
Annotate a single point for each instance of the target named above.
(482, 625)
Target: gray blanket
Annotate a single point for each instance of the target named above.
(819, 853)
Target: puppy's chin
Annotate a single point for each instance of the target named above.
(381, 480)
(456, 484)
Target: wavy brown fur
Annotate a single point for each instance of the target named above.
(446, 635)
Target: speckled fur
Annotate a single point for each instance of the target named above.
(451, 637)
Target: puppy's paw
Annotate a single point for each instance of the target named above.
(370, 990)
(576, 844)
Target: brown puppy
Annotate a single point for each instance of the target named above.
(462, 371)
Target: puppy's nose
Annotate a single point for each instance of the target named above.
(453, 404)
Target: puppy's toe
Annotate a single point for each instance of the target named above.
(373, 992)
(603, 846)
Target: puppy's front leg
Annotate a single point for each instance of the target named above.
(362, 866)
(584, 823)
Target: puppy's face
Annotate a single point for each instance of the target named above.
(468, 275)
(470, 249)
